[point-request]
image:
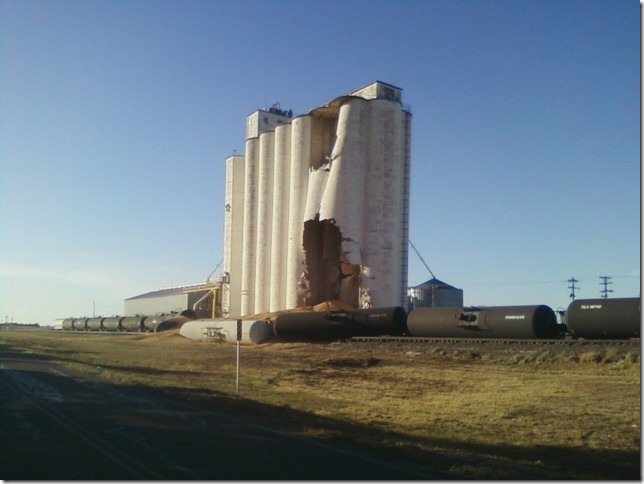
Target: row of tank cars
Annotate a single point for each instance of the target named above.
(617, 318)
(128, 324)
(587, 319)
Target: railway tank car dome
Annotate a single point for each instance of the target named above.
(618, 318)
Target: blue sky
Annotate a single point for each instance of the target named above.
(116, 118)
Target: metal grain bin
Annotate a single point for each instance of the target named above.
(112, 324)
(79, 324)
(617, 318)
(95, 324)
(522, 322)
(433, 294)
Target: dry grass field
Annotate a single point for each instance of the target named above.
(478, 411)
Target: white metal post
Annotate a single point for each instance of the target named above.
(239, 334)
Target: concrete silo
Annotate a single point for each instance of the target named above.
(233, 234)
(325, 205)
(249, 233)
(298, 190)
(280, 221)
(264, 224)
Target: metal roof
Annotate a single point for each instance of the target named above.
(435, 282)
(174, 291)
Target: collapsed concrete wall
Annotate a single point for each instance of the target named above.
(361, 190)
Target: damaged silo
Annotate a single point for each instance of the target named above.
(325, 206)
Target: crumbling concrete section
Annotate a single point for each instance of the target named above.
(357, 187)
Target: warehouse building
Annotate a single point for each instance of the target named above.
(204, 299)
(317, 207)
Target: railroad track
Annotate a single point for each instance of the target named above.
(540, 342)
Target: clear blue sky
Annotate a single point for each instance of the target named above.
(117, 116)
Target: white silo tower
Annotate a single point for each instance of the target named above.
(325, 205)
(233, 231)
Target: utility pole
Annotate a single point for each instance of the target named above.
(605, 282)
(572, 287)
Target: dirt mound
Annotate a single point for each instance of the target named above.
(170, 334)
(334, 305)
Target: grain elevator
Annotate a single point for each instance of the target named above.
(317, 207)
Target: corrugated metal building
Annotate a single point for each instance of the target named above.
(202, 298)
(433, 294)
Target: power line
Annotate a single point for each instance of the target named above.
(517, 283)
